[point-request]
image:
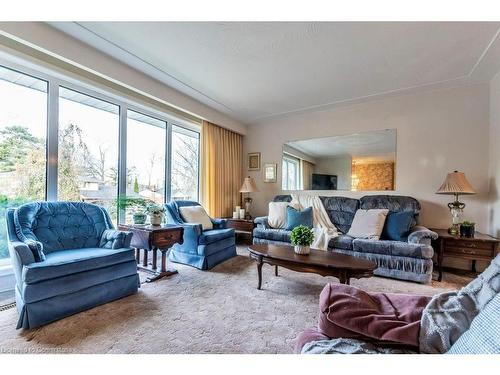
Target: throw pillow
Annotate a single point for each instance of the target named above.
(368, 224)
(295, 217)
(397, 226)
(277, 214)
(196, 215)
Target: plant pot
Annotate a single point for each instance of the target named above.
(467, 231)
(301, 250)
(155, 219)
(139, 218)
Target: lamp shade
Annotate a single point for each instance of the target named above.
(248, 186)
(456, 183)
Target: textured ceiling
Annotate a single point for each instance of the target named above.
(253, 71)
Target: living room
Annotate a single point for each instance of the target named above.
(307, 187)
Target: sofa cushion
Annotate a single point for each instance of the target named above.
(394, 203)
(295, 217)
(214, 235)
(61, 225)
(277, 214)
(281, 235)
(397, 226)
(341, 242)
(368, 223)
(196, 215)
(67, 262)
(483, 336)
(341, 211)
(394, 248)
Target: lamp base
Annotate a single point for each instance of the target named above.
(454, 230)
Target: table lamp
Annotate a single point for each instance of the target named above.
(248, 187)
(456, 184)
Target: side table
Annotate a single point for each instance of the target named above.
(242, 226)
(479, 247)
(154, 238)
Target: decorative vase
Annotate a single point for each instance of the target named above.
(467, 231)
(301, 250)
(155, 219)
(139, 218)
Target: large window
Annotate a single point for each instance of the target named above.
(60, 140)
(23, 132)
(88, 150)
(185, 163)
(146, 140)
(291, 177)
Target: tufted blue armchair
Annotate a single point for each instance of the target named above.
(67, 258)
(200, 249)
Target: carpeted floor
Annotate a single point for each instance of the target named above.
(217, 311)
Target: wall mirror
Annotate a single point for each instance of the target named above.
(356, 162)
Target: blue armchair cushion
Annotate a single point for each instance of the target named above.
(67, 262)
(214, 235)
(295, 217)
(66, 225)
(397, 226)
(37, 250)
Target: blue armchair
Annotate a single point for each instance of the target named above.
(200, 249)
(67, 258)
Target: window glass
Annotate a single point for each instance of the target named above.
(23, 133)
(185, 164)
(88, 150)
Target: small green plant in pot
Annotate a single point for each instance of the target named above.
(155, 212)
(138, 206)
(302, 237)
(467, 229)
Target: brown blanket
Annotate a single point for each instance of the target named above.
(349, 312)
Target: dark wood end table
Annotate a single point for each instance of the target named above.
(241, 226)
(479, 247)
(154, 238)
(324, 263)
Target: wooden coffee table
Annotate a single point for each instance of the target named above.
(324, 263)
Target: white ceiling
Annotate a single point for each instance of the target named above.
(252, 71)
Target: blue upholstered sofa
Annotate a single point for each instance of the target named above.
(67, 258)
(202, 249)
(410, 260)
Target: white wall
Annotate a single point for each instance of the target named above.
(437, 132)
(340, 166)
(495, 156)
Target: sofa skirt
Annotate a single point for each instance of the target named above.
(36, 314)
(202, 262)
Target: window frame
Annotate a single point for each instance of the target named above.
(289, 159)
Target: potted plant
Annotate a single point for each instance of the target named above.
(302, 237)
(138, 207)
(155, 212)
(467, 229)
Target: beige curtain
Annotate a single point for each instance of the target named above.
(221, 174)
(307, 170)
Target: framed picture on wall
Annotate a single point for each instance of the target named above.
(254, 161)
(270, 171)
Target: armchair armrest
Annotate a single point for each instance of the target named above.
(219, 223)
(21, 252)
(115, 239)
(262, 222)
(421, 235)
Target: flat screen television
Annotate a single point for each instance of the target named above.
(324, 182)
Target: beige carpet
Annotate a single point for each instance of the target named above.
(217, 311)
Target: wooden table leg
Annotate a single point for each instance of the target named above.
(138, 255)
(163, 267)
(276, 270)
(155, 256)
(474, 266)
(344, 278)
(259, 272)
(145, 258)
